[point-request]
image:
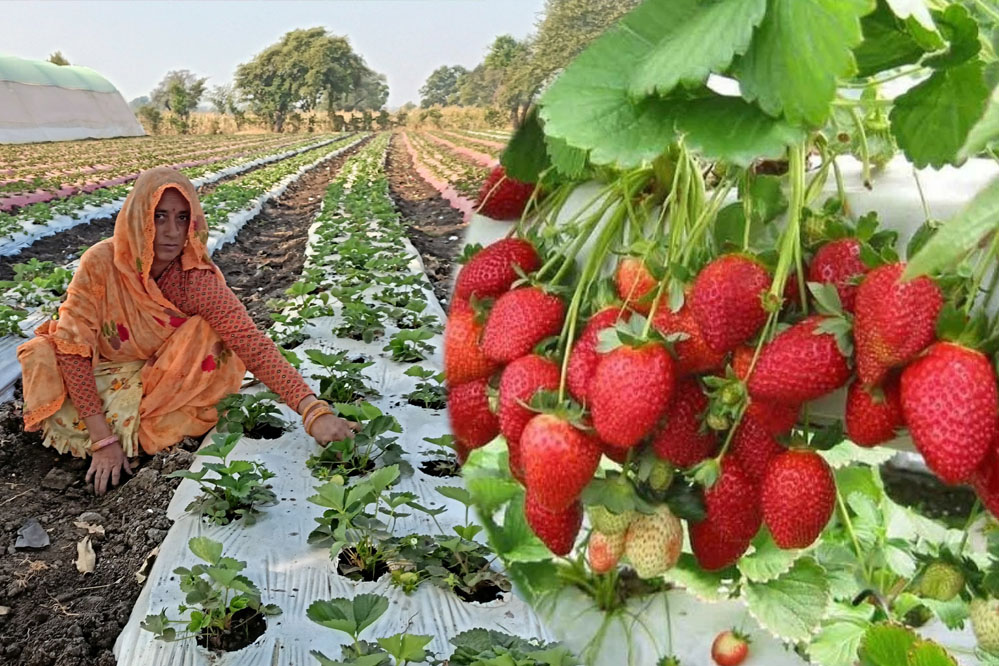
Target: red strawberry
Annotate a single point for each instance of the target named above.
(515, 461)
(620, 456)
(472, 423)
(519, 320)
(730, 648)
(732, 503)
(693, 355)
(584, 356)
(726, 300)
(838, 263)
(122, 332)
(873, 416)
(985, 480)
(604, 550)
(799, 365)
(557, 529)
(798, 497)
(491, 271)
(559, 460)
(950, 403)
(461, 451)
(629, 393)
(682, 440)
(711, 549)
(776, 417)
(502, 197)
(518, 384)
(754, 447)
(635, 283)
(464, 359)
(894, 320)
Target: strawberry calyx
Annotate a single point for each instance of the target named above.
(972, 332)
(547, 401)
(468, 252)
(633, 332)
(615, 492)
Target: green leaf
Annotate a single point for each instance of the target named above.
(928, 653)
(349, 616)
(886, 645)
(932, 120)
(732, 129)
(516, 540)
(699, 38)
(837, 642)
(206, 549)
(797, 54)
(959, 235)
(589, 105)
(847, 453)
(382, 478)
(985, 131)
(792, 606)
(455, 493)
(362, 660)
(406, 647)
(525, 157)
(569, 161)
(767, 561)
(492, 493)
(962, 33)
(917, 9)
(705, 585)
(952, 613)
(887, 43)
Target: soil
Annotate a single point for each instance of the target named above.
(441, 467)
(433, 226)
(482, 593)
(247, 626)
(345, 568)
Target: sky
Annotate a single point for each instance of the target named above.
(133, 44)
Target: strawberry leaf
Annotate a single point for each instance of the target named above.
(951, 323)
(705, 585)
(888, 43)
(961, 32)
(685, 500)
(986, 131)
(791, 606)
(766, 561)
(826, 298)
(608, 340)
(616, 494)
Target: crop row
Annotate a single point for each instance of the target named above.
(465, 176)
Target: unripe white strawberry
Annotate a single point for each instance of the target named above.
(604, 551)
(653, 542)
(985, 622)
(604, 520)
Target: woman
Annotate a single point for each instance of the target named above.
(149, 339)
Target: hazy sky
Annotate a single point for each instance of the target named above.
(134, 44)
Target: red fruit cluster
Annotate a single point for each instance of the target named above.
(502, 197)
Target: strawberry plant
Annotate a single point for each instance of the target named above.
(441, 459)
(225, 607)
(239, 488)
(343, 380)
(371, 446)
(430, 391)
(408, 346)
(360, 322)
(10, 321)
(253, 415)
(352, 617)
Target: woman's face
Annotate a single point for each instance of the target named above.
(173, 218)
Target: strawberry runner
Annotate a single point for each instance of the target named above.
(184, 329)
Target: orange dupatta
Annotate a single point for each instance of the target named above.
(115, 312)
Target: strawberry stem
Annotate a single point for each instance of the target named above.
(976, 507)
(853, 535)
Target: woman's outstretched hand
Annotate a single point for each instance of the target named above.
(329, 428)
(106, 465)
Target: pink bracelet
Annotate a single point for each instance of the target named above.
(100, 444)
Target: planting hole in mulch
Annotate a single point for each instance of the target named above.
(247, 626)
(437, 404)
(347, 565)
(441, 467)
(482, 593)
(265, 431)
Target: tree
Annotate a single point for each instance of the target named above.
(179, 92)
(568, 26)
(371, 93)
(138, 102)
(441, 87)
(308, 67)
(58, 58)
(151, 117)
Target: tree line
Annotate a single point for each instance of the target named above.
(514, 72)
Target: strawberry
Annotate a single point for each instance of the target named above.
(603, 551)
(950, 403)
(838, 263)
(620, 456)
(693, 355)
(683, 440)
(776, 417)
(606, 521)
(557, 529)
(985, 623)
(472, 422)
(732, 504)
(491, 271)
(802, 363)
(521, 379)
(461, 451)
(727, 300)
(653, 542)
(584, 356)
(941, 581)
(502, 197)
(464, 360)
(635, 284)
(629, 393)
(711, 549)
(519, 320)
(985, 480)
(894, 320)
(754, 447)
(559, 460)
(798, 496)
(873, 415)
(730, 648)
(515, 460)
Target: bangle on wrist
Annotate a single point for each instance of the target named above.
(100, 444)
(312, 405)
(315, 416)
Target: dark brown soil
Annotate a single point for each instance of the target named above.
(247, 626)
(345, 567)
(441, 467)
(482, 593)
(55, 614)
(434, 227)
(268, 254)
